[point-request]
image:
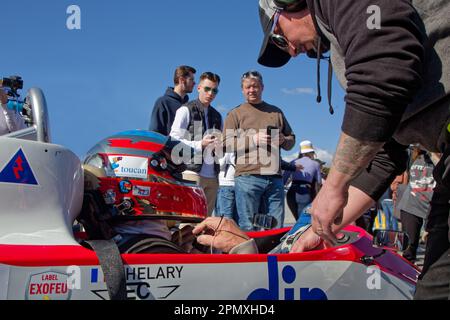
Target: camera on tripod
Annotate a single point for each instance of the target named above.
(14, 83)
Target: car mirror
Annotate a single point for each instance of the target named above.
(395, 240)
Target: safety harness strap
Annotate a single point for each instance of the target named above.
(113, 269)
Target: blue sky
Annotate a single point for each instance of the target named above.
(104, 78)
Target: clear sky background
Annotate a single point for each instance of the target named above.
(104, 78)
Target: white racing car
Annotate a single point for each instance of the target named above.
(42, 187)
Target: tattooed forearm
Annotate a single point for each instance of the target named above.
(353, 155)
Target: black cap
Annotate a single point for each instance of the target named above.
(270, 55)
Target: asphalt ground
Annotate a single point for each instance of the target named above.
(289, 219)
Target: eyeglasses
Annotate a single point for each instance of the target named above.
(213, 90)
(252, 74)
(277, 39)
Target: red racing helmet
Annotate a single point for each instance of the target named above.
(135, 173)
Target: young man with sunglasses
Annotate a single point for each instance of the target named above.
(256, 131)
(199, 125)
(392, 59)
(166, 106)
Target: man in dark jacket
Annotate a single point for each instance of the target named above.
(166, 106)
(392, 59)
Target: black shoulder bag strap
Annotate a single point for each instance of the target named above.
(109, 257)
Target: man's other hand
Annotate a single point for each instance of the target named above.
(220, 233)
(327, 210)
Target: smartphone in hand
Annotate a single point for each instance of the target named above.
(270, 128)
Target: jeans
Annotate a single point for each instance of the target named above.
(209, 186)
(292, 204)
(226, 203)
(411, 224)
(303, 200)
(304, 217)
(251, 191)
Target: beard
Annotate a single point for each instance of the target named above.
(312, 53)
(189, 90)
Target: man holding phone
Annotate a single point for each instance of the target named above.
(256, 131)
(197, 124)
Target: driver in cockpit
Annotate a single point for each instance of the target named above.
(149, 222)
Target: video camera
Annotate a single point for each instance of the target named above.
(14, 83)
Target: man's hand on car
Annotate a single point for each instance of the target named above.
(184, 238)
(309, 241)
(327, 211)
(220, 233)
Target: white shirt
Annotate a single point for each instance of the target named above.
(10, 120)
(179, 131)
(227, 169)
(179, 128)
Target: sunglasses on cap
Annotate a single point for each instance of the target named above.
(213, 90)
(277, 39)
(289, 6)
(252, 74)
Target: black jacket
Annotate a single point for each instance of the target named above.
(164, 111)
(396, 77)
(380, 68)
(396, 74)
(397, 80)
